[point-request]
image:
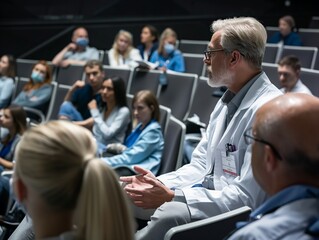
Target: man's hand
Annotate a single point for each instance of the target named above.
(71, 46)
(145, 190)
(92, 104)
(78, 84)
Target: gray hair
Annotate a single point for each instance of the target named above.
(244, 34)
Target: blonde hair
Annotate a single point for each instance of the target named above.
(168, 32)
(57, 159)
(129, 37)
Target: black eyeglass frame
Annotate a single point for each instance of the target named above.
(247, 135)
(207, 53)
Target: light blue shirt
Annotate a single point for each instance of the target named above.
(112, 129)
(285, 215)
(90, 53)
(6, 91)
(36, 98)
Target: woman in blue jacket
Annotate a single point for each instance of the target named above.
(286, 33)
(167, 56)
(144, 146)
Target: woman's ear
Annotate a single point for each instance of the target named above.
(20, 189)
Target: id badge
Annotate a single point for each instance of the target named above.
(228, 162)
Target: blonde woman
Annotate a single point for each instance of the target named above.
(123, 54)
(68, 193)
(167, 56)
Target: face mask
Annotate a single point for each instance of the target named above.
(169, 48)
(37, 77)
(82, 42)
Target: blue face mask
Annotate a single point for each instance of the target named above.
(37, 77)
(169, 48)
(82, 42)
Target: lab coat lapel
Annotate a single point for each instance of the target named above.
(219, 131)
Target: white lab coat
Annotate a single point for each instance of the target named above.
(230, 192)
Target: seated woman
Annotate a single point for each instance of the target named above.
(144, 146)
(12, 118)
(167, 56)
(53, 178)
(7, 75)
(37, 92)
(149, 42)
(123, 54)
(112, 120)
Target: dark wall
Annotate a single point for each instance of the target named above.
(38, 29)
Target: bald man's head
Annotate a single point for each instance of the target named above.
(291, 123)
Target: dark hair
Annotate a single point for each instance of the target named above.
(290, 21)
(119, 91)
(149, 99)
(19, 118)
(153, 31)
(12, 66)
(292, 61)
(92, 63)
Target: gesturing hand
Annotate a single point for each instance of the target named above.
(145, 190)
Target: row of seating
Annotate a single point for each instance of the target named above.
(136, 80)
(308, 56)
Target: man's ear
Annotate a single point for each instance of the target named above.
(271, 161)
(235, 56)
(20, 189)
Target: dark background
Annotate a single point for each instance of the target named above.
(38, 29)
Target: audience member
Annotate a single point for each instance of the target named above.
(219, 177)
(75, 105)
(289, 68)
(13, 118)
(112, 120)
(7, 75)
(149, 42)
(144, 146)
(78, 51)
(167, 56)
(285, 162)
(37, 92)
(68, 193)
(286, 34)
(123, 53)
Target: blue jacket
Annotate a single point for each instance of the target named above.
(146, 152)
(141, 48)
(292, 39)
(174, 61)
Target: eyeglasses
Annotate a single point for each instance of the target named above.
(208, 53)
(249, 138)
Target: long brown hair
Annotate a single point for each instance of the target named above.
(12, 66)
(148, 97)
(19, 118)
(47, 78)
